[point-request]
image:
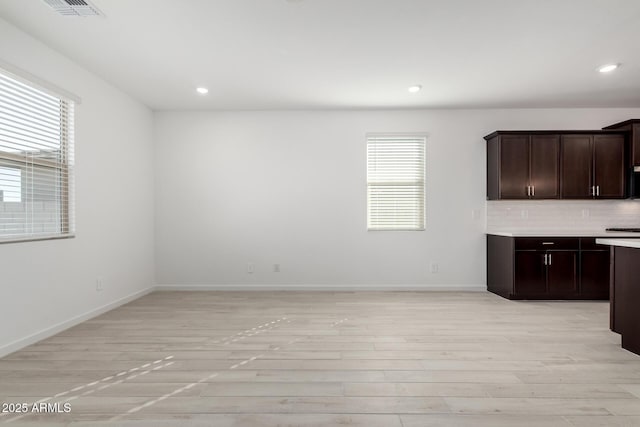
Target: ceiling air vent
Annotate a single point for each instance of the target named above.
(74, 7)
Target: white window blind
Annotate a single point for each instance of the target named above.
(395, 182)
(36, 162)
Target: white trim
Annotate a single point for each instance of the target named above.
(28, 78)
(55, 329)
(35, 238)
(392, 134)
(330, 288)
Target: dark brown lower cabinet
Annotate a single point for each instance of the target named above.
(624, 308)
(594, 274)
(530, 273)
(546, 274)
(562, 274)
(547, 268)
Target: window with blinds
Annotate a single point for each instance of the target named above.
(36, 162)
(395, 182)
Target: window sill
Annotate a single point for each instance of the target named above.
(37, 238)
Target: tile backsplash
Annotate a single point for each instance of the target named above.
(561, 215)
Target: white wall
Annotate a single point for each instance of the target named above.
(45, 285)
(238, 187)
(289, 188)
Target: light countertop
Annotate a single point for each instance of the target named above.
(576, 233)
(627, 243)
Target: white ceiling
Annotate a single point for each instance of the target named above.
(301, 54)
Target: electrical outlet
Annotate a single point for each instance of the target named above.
(475, 214)
(434, 267)
(276, 268)
(524, 214)
(99, 284)
(586, 213)
(250, 268)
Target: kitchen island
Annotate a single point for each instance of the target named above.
(625, 290)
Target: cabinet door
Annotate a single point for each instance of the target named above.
(635, 144)
(576, 167)
(544, 176)
(514, 166)
(562, 273)
(594, 274)
(609, 167)
(530, 274)
(493, 168)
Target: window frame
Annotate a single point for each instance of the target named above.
(63, 167)
(424, 137)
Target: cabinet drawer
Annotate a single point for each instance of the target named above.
(589, 244)
(542, 243)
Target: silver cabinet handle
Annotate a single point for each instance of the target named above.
(592, 190)
(545, 259)
(533, 190)
(549, 260)
(528, 190)
(597, 190)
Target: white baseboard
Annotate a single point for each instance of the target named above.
(316, 287)
(55, 329)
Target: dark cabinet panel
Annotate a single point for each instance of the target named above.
(544, 159)
(546, 243)
(522, 166)
(632, 127)
(562, 273)
(612, 291)
(594, 274)
(589, 244)
(609, 168)
(530, 273)
(557, 165)
(547, 268)
(592, 166)
(493, 168)
(500, 265)
(635, 137)
(627, 294)
(576, 167)
(514, 166)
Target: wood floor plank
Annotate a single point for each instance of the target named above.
(392, 359)
(501, 420)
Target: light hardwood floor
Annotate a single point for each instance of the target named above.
(331, 359)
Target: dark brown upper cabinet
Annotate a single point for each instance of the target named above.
(557, 165)
(577, 167)
(522, 166)
(543, 168)
(592, 166)
(633, 128)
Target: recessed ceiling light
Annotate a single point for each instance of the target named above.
(415, 88)
(608, 68)
(202, 90)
